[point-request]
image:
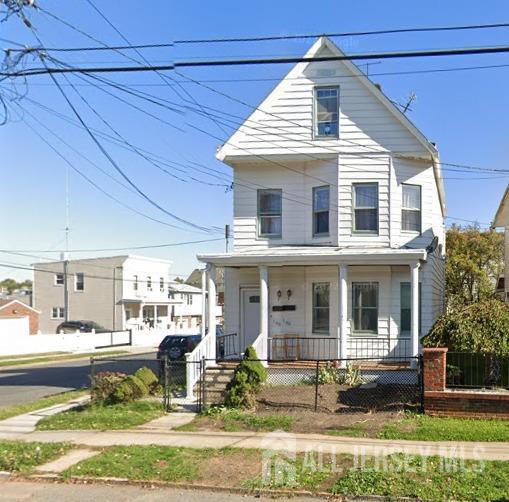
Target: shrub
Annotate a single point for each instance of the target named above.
(248, 377)
(104, 384)
(148, 377)
(130, 389)
(332, 373)
(481, 327)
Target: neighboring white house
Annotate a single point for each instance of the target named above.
(117, 292)
(339, 211)
(502, 221)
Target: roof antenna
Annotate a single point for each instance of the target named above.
(411, 98)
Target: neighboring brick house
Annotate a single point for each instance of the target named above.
(16, 308)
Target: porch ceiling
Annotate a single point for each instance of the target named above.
(314, 255)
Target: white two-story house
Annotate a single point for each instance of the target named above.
(339, 211)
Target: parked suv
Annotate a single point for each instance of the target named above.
(81, 326)
(176, 346)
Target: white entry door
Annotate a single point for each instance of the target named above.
(250, 316)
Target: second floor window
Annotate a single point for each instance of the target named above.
(135, 283)
(59, 279)
(149, 283)
(269, 213)
(321, 307)
(411, 208)
(57, 313)
(161, 284)
(365, 203)
(79, 282)
(327, 112)
(321, 211)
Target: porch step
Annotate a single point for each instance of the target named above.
(216, 380)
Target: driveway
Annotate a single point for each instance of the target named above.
(21, 384)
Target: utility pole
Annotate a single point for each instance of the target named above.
(226, 235)
(66, 254)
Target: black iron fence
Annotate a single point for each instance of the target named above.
(227, 346)
(472, 370)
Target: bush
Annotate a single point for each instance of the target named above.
(130, 389)
(148, 377)
(248, 377)
(104, 384)
(481, 327)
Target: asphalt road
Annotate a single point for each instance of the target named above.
(21, 384)
(46, 492)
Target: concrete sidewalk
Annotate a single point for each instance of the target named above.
(274, 441)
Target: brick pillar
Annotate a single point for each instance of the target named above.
(434, 360)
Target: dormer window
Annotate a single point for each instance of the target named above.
(326, 112)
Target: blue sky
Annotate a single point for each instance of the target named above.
(465, 112)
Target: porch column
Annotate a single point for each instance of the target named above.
(140, 314)
(343, 311)
(211, 272)
(155, 316)
(203, 302)
(414, 316)
(262, 348)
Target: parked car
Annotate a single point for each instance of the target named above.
(81, 326)
(176, 346)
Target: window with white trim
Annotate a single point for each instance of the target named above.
(326, 108)
(405, 296)
(135, 283)
(365, 204)
(411, 208)
(270, 213)
(149, 283)
(161, 284)
(321, 307)
(57, 313)
(321, 211)
(365, 307)
(79, 281)
(59, 279)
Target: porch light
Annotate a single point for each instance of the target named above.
(279, 294)
(289, 293)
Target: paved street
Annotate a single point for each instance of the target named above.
(23, 384)
(49, 492)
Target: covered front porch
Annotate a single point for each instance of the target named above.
(139, 315)
(323, 303)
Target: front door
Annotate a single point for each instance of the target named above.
(250, 316)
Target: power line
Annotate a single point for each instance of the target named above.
(264, 38)
(258, 61)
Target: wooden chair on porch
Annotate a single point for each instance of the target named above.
(286, 347)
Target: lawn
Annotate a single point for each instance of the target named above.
(45, 402)
(23, 457)
(426, 428)
(55, 358)
(98, 417)
(166, 463)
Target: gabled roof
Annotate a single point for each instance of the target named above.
(6, 302)
(502, 215)
(225, 154)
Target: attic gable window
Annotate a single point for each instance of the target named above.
(326, 111)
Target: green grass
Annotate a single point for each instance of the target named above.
(45, 402)
(232, 420)
(426, 428)
(98, 417)
(23, 457)
(355, 430)
(31, 356)
(428, 478)
(164, 463)
(50, 359)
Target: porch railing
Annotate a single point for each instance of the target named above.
(379, 348)
(227, 346)
(203, 351)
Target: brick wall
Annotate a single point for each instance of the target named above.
(19, 309)
(440, 401)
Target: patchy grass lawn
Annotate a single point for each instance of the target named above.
(232, 420)
(55, 358)
(18, 456)
(45, 402)
(426, 428)
(97, 417)
(428, 478)
(222, 467)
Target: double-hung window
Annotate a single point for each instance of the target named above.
(321, 211)
(326, 112)
(270, 213)
(135, 283)
(79, 281)
(149, 283)
(411, 208)
(405, 297)
(365, 307)
(57, 313)
(321, 293)
(365, 203)
(161, 284)
(59, 279)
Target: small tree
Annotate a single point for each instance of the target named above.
(247, 380)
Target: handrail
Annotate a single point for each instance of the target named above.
(193, 359)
